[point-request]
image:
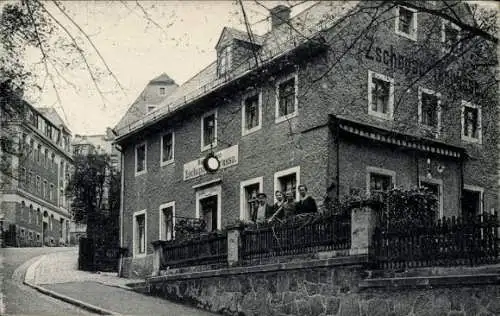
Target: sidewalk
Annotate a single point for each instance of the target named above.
(57, 275)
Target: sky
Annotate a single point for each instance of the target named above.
(174, 37)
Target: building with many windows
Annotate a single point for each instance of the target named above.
(343, 97)
(34, 206)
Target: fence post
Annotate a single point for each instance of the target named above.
(363, 223)
(233, 244)
(157, 256)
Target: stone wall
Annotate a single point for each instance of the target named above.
(321, 290)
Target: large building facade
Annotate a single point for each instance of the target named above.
(33, 203)
(343, 105)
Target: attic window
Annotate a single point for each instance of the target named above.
(224, 61)
(151, 108)
(162, 91)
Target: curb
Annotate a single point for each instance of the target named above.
(67, 299)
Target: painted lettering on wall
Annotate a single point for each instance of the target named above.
(410, 65)
(228, 157)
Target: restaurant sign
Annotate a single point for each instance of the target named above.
(228, 157)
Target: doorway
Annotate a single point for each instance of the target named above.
(208, 207)
(471, 203)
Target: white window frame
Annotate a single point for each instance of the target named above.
(294, 170)
(414, 27)
(381, 171)
(214, 143)
(243, 185)
(135, 246)
(208, 192)
(244, 130)
(479, 139)
(145, 159)
(279, 119)
(167, 162)
(438, 182)
(160, 89)
(480, 190)
(445, 23)
(162, 220)
(390, 106)
(438, 96)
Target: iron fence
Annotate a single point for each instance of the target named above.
(308, 234)
(200, 250)
(446, 242)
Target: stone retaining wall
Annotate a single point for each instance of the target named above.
(322, 290)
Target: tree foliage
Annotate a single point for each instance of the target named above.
(94, 189)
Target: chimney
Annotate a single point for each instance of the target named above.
(280, 14)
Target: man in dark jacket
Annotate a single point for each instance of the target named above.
(306, 203)
(263, 210)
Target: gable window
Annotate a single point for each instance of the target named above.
(450, 36)
(379, 180)
(162, 90)
(248, 196)
(252, 113)
(139, 233)
(140, 159)
(429, 108)
(209, 130)
(224, 61)
(287, 181)
(151, 108)
(380, 95)
(167, 221)
(286, 98)
(406, 22)
(167, 148)
(471, 122)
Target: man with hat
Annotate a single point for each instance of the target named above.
(263, 210)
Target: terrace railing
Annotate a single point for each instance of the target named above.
(447, 242)
(203, 249)
(299, 235)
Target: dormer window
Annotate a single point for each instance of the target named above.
(224, 61)
(162, 90)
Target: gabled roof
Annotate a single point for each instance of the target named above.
(229, 33)
(163, 79)
(52, 115)
(280, 40)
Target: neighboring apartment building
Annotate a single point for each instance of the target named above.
(313, 102)
(33, 203)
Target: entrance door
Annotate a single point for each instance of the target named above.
(208, 207)
(471, 203)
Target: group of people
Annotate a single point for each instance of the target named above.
(285, 206)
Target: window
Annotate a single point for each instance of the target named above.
(379, 180)
(45, 193)
(209, 130)
(51, 192)
(22, 176)
(61, 225)
(224, 61)
(140, 159)
(167, 148)
(248, 195)
(472, 201)
(380, 95)
(167, 221)
(435, 186)
(31, 180)
(46, 157)
(51, 222)
(38, 184)
(23, 206)
(251, 113)
(32, 148)
(471, 122)
(38, 153)
(450, 36)
(139, 233)
(38, 216)
(406, 22)
(162, 90)
(208, 207)
(151, 108)
(286, 98)
(288, 180)
(429, 108)
(30, 213)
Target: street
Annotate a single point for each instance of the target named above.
(21, 299)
